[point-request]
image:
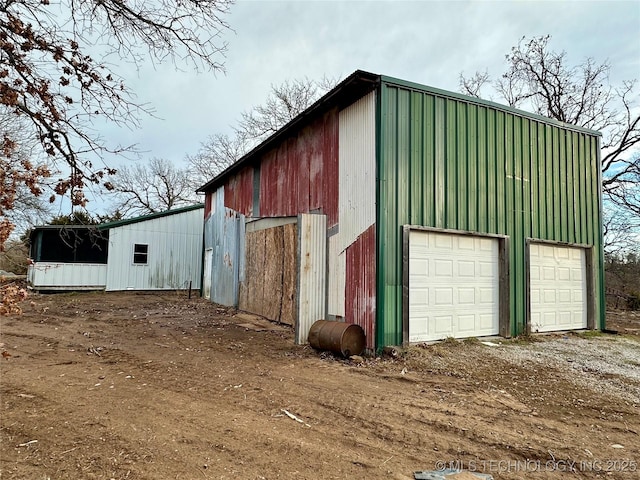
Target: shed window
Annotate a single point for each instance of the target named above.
(140, 253)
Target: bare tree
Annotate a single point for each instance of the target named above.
(540, 79)
(50, 80)
(284, 103)
(215, 154)
(155, 187)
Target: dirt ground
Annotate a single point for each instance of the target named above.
(159, 386)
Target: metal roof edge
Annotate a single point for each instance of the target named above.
(328, 100)
(152, 216)
(486, 103)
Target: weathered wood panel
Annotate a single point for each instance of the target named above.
(289, 275)
(269, 286)
(272, 271)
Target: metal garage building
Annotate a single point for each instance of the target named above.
(437, 215)
(161, 251)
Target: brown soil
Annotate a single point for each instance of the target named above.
(150, 386)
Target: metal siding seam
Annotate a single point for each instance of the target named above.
(439, 163)
(492, 169)
(429, 189)
(589, 193)
(472, 169)
(501, 165)
(461, 176)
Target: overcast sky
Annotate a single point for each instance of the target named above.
(426, 42)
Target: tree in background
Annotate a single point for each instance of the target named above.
(22, 175)
(51, 82)
(541, 80)
(154, 187)
(284, 103)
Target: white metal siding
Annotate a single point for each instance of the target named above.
(357, 170)
(208, 266)
(174, 255)
(337, 277)
(558, 288)
(312, 236)
(67, 276)
(453, 286)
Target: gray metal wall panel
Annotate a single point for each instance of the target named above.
(174, 253)
(224, 234)
(67, 276)
(312, 283)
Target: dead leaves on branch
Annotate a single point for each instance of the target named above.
(10, 297)
(52, 86)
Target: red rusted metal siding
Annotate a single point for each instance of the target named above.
(360, 285)
(208, 202)
(330, 167)
(301, 174)
(238, 192)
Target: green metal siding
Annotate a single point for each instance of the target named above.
(448, 161)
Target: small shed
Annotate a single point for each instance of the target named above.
(436, 215)
(161, 251)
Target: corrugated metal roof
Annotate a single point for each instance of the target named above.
(129, 221)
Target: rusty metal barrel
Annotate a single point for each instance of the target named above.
(338, 337)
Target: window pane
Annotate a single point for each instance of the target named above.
(140, 248)
(140, 253)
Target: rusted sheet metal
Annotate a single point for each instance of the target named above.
(224, 234)
(208, 201)
(312, 284)
(360, 288)
(238, 192)
(330, 167)
(301, 174)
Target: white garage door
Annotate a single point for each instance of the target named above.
(453, 286)
(558, 288)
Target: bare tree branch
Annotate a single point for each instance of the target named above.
(154, 187)
(285, 102)
(540, 79)
(58, 91)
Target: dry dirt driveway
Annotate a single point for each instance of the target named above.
(147, 386)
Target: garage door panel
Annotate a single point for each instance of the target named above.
(443, 242)
(466, 296)
(444, 296)
(467, 324)
(466, 268)
(486, 322)
(558, 296)
(461, 276)
(487, 270)
(564, 296)
(443, 268)
(466, 243)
